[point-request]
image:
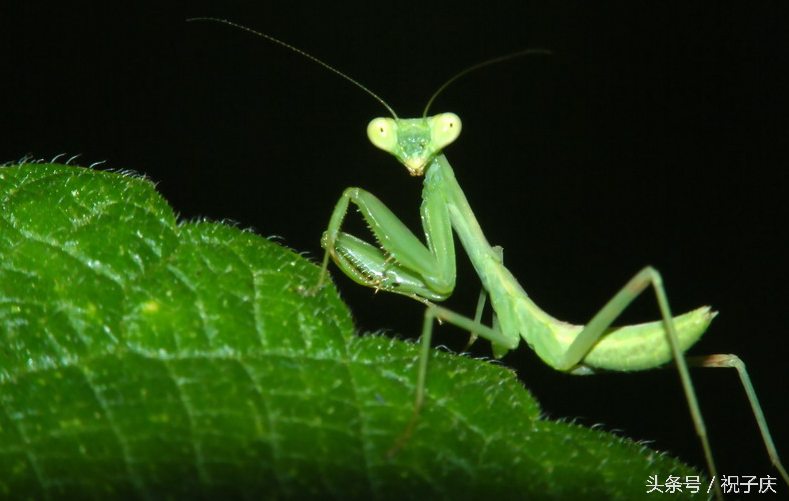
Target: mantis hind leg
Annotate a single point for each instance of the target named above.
(594, 330)
(734, 362)
(597, 326)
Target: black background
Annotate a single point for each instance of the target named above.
(656, 134)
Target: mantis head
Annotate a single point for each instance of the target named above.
(414, 141)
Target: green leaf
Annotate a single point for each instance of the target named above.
(141, 358)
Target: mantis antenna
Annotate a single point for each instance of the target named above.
(375, 96)
(500, 59)
(297, 51)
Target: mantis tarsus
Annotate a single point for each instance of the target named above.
(402, 264)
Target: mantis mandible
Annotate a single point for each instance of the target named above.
(402, 264)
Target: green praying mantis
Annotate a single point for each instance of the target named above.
(401, 263)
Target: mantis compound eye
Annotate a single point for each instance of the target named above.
(445, 129)
(383, 134)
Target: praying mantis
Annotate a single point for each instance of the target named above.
(401, 263)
